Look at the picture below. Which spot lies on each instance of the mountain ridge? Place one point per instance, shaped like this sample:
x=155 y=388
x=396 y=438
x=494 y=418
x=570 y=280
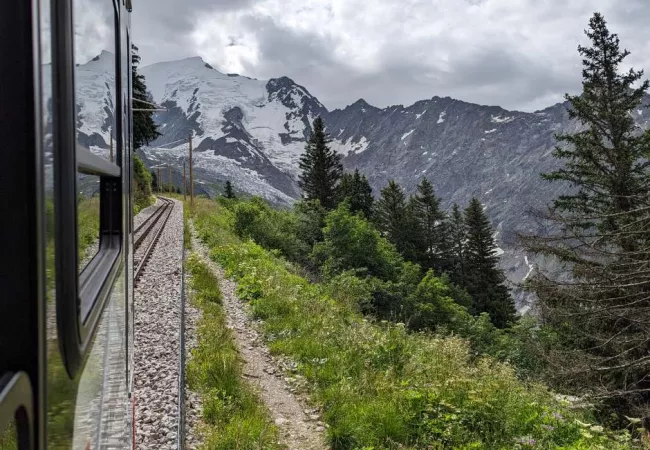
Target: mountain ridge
x=252 y=132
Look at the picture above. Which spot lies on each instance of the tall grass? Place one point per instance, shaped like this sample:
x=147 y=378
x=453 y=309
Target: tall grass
x=234 y=416
x=382 y=387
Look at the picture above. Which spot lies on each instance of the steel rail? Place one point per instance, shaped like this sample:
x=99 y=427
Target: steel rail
x=154 y=241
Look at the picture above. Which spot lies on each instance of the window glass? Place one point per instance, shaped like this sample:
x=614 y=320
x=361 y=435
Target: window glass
x=95 y=100
x=87 y=217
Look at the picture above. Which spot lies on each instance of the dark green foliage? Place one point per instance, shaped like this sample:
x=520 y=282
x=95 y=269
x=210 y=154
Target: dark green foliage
x=229 y=193
x=321 y=168
x=141 y=183
x=484 y=279
x=154 y=180
x=356 y=189
x=311 y=220
x=394 y=218
x=433 y=306
x=268 y=227
x=351 y=243
x=145 y=129
x=456 y=265
x=432 y=237
x=602 y=307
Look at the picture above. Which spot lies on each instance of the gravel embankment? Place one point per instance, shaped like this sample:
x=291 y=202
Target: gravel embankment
x=157 y=325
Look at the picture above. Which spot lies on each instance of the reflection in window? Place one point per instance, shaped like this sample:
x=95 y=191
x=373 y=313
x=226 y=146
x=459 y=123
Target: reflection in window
x=95 y=71
x=95 y=99
x=9 y=437
x=87 y=218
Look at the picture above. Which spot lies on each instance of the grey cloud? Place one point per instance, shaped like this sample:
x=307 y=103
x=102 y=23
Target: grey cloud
x=525 y=61
x=161 y=28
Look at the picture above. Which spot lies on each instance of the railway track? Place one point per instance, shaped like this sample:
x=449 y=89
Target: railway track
x=110 y=433
x=146 y=235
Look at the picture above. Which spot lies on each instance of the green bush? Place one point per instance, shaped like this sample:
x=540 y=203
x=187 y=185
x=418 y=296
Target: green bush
x=383 y=387
x=141 y=185
x=270 y=228
x=352 y=243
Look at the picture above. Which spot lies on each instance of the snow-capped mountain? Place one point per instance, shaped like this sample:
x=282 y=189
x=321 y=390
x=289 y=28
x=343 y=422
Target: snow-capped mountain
x=253 y=132
x=246 y=130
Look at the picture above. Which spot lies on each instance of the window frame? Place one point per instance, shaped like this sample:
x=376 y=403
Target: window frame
x=81 y=297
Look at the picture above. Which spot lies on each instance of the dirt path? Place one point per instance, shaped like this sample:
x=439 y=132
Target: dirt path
x=300 y=428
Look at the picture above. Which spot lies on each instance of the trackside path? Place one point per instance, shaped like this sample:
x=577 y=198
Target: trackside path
x=300 y=428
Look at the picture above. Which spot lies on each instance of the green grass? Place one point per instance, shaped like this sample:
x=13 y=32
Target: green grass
x=234 y=416
x=381 y=387
x=87 y=223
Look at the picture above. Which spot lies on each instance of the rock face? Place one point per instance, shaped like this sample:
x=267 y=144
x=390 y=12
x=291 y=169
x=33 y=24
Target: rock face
x=253 y=132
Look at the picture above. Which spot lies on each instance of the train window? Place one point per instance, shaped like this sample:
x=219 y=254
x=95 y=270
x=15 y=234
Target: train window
x=88 y=133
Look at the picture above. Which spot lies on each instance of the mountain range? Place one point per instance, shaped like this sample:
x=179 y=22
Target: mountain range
x=252 y=132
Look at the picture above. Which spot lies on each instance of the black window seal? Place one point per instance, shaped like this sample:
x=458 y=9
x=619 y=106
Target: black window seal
x=81 y=297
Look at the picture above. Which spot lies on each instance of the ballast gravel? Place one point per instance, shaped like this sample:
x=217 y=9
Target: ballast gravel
x=157 y=310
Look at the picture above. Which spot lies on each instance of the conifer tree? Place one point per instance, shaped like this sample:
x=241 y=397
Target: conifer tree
x=484 y=279
x=145 y=129
x=321 y=168
x=603 y=306
x=229 y=193
x=429 y=219
x=455 y=261
x=394 y=219
x=356 y=188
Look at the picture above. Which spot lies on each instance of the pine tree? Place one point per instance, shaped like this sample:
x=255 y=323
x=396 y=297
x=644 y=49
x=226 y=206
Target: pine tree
x=603 y=305
x=429 y=219
x=145 y=129
x=321 y=168
x=394 y=219
x=484 y=279
x=356 y=188
x=229 y=193
x=455 y=261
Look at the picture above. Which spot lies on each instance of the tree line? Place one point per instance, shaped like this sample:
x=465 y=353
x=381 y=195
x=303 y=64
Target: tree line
x=457 y=244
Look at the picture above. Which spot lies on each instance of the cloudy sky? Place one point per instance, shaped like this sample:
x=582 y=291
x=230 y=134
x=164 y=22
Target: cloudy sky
x=519 y=54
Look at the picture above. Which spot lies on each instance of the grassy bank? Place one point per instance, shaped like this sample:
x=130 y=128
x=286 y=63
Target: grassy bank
x=381 y=386
x=233 y=414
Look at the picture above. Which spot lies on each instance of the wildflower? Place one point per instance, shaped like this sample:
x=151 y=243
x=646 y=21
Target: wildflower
x=558 y=416
x=527 y=441
x=548 y=427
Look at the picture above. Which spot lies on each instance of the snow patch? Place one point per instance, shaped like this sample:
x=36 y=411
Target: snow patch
x=345 y=148
x=441 y=117
x=425 y=153
x=531 y=267
x=490 y=131
x=499 y=119
x=405 y=135
x=417 y=116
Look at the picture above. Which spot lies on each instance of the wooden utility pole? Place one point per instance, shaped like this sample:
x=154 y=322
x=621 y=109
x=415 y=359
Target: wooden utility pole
x=184 y=184
x=171 y=183
x=191 y=176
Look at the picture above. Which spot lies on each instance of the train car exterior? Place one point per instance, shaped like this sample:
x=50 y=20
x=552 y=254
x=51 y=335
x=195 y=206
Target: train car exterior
x=66 y=271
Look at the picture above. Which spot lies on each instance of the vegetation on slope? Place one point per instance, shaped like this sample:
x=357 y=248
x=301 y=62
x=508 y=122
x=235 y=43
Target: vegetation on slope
x=381 y=386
